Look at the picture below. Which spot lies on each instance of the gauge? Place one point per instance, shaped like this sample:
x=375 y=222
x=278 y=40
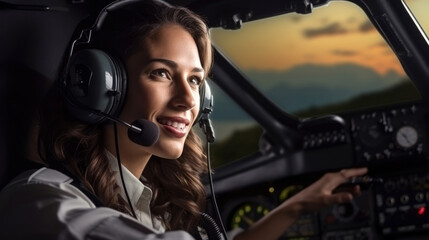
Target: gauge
x=406 y=136
x=372 y=135
x=248 y=213
x=288 y=192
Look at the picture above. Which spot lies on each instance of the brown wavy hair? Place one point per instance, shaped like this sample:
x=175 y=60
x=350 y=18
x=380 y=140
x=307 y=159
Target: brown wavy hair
x=177 y=188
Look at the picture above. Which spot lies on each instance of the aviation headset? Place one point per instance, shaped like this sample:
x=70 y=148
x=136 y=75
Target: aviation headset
x=94 y=82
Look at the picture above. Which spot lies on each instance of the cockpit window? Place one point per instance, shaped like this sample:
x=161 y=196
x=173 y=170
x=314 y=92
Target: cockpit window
x=332 y=60
x=419 y=9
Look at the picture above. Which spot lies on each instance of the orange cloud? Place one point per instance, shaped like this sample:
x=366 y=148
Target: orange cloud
x=331 y=29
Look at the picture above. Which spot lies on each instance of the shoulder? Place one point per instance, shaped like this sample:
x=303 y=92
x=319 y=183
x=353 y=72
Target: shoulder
x=42 y=184
x=42 y=175
x=47 y=175
x=43 y=202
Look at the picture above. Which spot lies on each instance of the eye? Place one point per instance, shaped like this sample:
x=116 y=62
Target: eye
x=162 y=72
x=195 y=80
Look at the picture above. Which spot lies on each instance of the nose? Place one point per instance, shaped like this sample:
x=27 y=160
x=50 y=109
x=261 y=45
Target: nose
x=184 y=95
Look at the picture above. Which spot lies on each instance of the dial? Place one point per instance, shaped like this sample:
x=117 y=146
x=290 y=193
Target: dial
x=372 y=135
x=288 y=192
x=407 y=136
x=248 y=213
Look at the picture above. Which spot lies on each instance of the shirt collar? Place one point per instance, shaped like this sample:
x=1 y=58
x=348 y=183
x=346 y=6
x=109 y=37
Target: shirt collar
x=140 y=195
x=135 y=188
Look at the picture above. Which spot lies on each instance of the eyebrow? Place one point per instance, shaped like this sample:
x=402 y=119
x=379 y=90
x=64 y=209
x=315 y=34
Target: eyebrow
x=173 y=64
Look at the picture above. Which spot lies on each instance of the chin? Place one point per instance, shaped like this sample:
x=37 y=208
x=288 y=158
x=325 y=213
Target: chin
x=168 y=149
x=170 y=154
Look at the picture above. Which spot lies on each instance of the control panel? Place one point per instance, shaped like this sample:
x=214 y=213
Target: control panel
x=383 y=135
x=391 y=141
x=402 y=203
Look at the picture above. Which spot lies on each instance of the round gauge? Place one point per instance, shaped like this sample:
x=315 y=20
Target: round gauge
x=247 y=213
x=407 y=136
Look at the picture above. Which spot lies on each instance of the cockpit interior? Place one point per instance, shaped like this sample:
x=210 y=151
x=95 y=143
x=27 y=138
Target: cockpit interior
x=301 y=88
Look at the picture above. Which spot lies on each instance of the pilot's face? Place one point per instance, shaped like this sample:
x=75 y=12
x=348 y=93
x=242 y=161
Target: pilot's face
x=163 y=87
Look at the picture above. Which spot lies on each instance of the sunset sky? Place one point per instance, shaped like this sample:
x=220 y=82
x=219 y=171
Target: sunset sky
x=333 y=34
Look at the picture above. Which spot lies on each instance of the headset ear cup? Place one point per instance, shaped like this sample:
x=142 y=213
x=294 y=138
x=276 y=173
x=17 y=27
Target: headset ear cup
x=94 y=82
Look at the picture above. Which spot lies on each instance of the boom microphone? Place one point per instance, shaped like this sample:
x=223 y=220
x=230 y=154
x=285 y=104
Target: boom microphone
x=141 y=131
x=147 y=136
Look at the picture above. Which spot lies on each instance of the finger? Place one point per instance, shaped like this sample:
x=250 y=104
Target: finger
x=353 y=172
x=343 y=176
x=333 y=180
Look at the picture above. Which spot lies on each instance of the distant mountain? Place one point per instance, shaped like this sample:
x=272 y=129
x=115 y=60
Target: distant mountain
x=308 y=86
x=403 y=91
x=344 y=76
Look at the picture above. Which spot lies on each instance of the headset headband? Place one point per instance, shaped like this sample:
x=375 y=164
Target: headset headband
x=86 y=34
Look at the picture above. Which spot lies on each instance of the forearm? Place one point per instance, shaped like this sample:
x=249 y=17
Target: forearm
x=274 y=224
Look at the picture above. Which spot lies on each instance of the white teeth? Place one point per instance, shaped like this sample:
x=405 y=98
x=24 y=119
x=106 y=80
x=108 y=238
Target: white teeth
x=177 y=125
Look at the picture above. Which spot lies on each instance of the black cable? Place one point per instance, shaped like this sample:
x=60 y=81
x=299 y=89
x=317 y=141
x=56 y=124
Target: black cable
x=213 y=197
x=212 y=229
x=118 y=157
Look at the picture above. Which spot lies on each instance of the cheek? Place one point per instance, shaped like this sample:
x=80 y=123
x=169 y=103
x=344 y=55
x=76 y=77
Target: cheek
x=142 y=100
x=150 y=99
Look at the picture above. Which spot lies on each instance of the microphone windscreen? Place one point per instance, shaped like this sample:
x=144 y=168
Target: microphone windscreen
x=149 y=134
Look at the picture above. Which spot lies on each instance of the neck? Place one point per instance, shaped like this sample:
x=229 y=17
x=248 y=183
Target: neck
x=132 y=155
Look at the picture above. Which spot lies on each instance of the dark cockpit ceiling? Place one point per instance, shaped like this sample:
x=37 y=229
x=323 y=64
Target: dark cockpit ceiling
x=231 y=13
x=218 y=13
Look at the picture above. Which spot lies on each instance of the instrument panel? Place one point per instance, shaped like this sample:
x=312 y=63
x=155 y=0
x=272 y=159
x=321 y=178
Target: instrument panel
x=392 y=142
x=390 y=134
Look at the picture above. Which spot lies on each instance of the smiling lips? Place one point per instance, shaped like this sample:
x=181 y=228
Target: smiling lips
x=175 y=126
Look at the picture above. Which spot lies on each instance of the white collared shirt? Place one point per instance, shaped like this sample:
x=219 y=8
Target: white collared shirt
x=140 y=195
